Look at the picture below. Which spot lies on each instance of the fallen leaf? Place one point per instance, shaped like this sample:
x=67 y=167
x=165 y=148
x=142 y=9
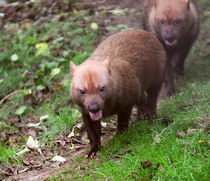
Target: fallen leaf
x=86 y=140
x=157 y=139
x=25 y=25
x=27 y=92
x=14 y=57
x=11 y=28
x=76 y=130
x=75 y=12
x=2 y=15
x=59 y=159
x=40 y=87
x=45 y=117
x=22 y=152
x=65 y=82
x=103 y=124
x=33 y=125
x=42 y=48
x=72 y=146
x=55 y=71
x=94 y=26
x=181 y=133
x=20 y=110
x=32 y=144
x=118 y=12
x=189 y=131
x=203 y=141
x=146 y=164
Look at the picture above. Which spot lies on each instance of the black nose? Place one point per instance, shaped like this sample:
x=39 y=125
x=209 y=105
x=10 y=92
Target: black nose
x=169 y=37
x=94 y=108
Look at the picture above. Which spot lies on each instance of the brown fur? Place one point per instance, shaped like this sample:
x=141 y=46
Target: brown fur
x=176 y=24
x=116 y=77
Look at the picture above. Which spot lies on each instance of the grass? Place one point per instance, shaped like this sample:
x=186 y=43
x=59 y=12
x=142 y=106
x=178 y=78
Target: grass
x=173 y=147
x=181 y=154
x=10 y=153
x=39 y=75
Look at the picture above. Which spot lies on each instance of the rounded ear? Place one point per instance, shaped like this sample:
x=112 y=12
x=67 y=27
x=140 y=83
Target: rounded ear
x=188 y=4
x=107 y=63
x=72 y=68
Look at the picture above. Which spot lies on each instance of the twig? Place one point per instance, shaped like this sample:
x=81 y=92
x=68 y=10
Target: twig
x=8 y=96
x=79 y=141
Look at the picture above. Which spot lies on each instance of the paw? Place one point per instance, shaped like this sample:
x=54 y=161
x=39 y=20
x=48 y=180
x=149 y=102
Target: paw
x=170 y=92
x=91 y=155
x=179 y=73
x=147 y=116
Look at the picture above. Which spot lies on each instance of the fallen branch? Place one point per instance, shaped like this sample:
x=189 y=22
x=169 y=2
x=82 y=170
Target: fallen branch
x=8 y=96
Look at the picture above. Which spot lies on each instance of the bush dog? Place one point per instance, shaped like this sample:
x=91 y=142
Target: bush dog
x=126 y=69
x=176 y=24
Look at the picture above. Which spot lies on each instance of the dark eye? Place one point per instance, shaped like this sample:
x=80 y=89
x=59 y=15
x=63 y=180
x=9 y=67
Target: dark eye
x=102 y=89
x=82 y=92
x=178 y=21
x=161 y=22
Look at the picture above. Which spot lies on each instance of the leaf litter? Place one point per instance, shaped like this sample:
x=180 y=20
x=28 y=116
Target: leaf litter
x=71 y=143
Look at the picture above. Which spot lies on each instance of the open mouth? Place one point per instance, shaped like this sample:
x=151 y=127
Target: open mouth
x=170 y=43
x=96 y=116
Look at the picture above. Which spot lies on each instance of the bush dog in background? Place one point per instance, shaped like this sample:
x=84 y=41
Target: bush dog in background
x=176 y=24
x=126 y=69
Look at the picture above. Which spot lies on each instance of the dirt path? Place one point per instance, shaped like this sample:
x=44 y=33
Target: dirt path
x=131 y=18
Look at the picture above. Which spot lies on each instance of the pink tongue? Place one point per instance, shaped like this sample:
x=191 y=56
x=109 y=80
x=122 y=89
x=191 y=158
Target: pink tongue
x=96 y=116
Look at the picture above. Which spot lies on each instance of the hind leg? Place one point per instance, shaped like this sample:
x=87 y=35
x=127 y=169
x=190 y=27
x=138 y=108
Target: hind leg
x=142 y=107
x=123 y=119
x=152 y=98
x=150 y=102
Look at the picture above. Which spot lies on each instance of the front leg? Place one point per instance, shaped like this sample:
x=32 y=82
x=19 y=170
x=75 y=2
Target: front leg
x=94 y=134
x=123 y=119
x=169 y=78
x=179 y=67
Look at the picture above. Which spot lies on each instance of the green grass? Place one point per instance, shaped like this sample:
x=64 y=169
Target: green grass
x=30 y=76
x=176 y=157
x=6 y=152
x=181 y=154
x=182 y=127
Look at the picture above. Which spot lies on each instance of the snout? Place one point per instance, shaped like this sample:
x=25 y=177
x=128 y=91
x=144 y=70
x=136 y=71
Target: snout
x=171 y=41
x=93 y=108
x=170 y=38
x=95 y=111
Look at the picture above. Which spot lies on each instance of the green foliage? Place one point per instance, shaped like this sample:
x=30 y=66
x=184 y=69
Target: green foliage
x=175 y=157
x=39 y=50
x=8 y=155
x=34 y=65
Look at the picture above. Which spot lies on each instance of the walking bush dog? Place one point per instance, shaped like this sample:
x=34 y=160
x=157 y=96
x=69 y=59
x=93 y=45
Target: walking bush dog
x=126 y=69
x=176 y=24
